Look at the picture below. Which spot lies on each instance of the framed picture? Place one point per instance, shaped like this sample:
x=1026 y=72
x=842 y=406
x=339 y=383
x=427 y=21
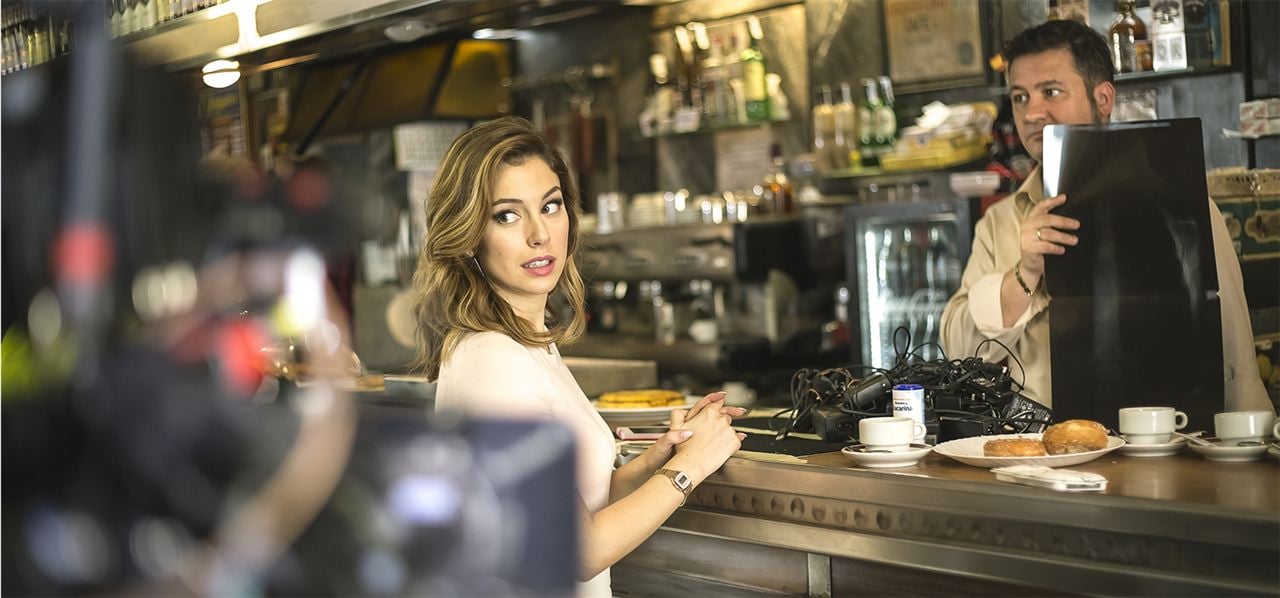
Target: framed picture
x=933 y=42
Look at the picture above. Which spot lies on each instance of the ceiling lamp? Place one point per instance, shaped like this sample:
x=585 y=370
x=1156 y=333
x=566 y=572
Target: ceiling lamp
x=490 y=33
x=221 y=73
x=407 y=30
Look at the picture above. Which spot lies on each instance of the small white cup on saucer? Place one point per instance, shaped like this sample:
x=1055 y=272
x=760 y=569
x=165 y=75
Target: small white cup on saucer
x=889 y=433
x=1234 y=427
x=1150 y=425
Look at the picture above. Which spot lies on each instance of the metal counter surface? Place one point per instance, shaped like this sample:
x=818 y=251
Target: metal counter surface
x=1172 y=525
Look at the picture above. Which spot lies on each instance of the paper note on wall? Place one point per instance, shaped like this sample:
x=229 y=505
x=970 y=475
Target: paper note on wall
x=421 y=146
x=742 y=157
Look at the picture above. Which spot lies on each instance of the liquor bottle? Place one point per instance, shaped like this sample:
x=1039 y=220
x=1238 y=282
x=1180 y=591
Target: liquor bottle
x=684 y=74
x=846 y=134
x=824 y=129
x=732 y=65
x=128 y=20
x=755 y=89
x=777 y=187
x=712 y=98
x=664 y=94
x=887 y=264
x=870 y=142
x=8 y=55
x=1125 y=34
x=886 y=120
x=941 y=267
x=910 y=263
x=150 y=18
x=698 y=76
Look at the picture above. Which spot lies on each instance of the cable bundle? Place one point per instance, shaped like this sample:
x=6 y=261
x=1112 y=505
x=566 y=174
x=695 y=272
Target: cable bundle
x=832 y=400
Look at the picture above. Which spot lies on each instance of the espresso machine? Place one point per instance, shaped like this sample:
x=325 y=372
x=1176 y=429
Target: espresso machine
x=711 y=302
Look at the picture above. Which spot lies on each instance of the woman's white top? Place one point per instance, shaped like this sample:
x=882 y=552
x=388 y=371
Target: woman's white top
x=491 y=375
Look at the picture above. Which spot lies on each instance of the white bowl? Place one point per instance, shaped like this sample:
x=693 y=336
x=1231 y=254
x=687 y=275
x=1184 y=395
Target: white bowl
x=974 y=184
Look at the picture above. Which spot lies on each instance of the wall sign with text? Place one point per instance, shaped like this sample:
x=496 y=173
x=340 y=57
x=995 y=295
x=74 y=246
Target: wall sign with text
x=933 y=40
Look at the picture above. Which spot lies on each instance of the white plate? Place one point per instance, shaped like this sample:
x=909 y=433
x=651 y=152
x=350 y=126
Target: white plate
x=969 y=452
x=1274 y=451
x=640 y=416
x=907 y=458
x=1163 y=449
x=1230 y=454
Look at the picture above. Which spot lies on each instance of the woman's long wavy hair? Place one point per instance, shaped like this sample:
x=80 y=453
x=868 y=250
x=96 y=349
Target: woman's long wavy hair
x=452 y=297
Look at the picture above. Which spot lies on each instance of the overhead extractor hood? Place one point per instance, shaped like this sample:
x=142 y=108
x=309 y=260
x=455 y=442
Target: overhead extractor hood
x=459 y=79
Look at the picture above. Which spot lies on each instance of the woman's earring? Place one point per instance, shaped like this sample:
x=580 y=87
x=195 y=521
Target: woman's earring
x=477 y=263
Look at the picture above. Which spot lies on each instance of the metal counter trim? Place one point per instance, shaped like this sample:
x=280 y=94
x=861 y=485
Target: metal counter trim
x=993 y=531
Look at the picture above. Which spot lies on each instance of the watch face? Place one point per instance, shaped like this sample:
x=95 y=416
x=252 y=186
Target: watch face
x=682 y=480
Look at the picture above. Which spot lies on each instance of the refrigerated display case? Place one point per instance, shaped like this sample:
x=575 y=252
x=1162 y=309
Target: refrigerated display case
x=904 y=261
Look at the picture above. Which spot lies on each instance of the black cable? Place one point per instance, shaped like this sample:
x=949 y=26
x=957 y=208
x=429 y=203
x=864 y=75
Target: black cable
x=982 y=390
x=1009 y=352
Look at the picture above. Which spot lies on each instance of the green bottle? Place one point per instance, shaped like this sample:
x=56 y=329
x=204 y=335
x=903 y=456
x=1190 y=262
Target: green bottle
x=871 y=143
x=755 y=91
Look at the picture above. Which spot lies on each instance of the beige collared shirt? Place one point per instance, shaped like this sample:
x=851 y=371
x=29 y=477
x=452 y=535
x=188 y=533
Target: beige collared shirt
x=974 y=315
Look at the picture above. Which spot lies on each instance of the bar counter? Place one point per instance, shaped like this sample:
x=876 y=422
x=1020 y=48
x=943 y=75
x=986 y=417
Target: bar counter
x=823 y=526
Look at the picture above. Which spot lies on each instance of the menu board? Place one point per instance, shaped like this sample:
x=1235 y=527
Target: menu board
x=221 y=129
x=1135 y=317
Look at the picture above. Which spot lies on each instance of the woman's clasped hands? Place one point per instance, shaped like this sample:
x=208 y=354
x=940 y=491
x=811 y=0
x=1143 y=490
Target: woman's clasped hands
x=702 y=437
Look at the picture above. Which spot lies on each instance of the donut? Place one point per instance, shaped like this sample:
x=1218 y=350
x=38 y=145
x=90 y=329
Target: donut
x=1013 y=447
x=1075 y=436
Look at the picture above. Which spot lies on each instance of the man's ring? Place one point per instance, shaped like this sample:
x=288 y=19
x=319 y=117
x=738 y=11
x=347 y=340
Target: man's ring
x=1038 y=237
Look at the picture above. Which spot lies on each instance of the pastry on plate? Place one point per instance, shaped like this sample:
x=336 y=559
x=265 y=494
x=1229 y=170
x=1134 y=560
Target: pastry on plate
x=640 y=399
x=1013 y=447
x=1075 y=436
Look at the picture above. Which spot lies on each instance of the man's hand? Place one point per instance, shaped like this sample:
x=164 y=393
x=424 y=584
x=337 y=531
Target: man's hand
x=1042 y=234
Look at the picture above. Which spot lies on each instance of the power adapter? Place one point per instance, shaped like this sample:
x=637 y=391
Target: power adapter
x=833 y=425
x=954 y=428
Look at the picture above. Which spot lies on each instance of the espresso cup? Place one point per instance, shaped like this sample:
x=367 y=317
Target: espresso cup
x=1150 y=425
x=1234 y=427
x=889 y=433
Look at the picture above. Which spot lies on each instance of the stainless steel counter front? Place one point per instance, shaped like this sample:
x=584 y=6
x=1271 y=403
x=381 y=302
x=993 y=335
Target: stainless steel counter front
x=1165 y=526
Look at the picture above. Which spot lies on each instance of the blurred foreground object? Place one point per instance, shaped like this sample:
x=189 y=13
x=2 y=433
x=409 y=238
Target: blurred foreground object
x=146 y=448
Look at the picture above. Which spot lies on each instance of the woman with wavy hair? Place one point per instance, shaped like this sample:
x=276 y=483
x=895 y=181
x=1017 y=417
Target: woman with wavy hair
x=502 y=238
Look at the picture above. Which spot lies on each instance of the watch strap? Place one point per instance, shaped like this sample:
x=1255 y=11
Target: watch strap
x=680 y=480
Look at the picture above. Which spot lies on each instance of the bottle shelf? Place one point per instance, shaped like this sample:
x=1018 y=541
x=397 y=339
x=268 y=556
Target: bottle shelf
x=718 y=129
x=1159 y=75
x=874 y=171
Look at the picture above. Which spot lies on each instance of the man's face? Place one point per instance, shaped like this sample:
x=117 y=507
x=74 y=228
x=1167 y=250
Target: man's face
x=1046 y=89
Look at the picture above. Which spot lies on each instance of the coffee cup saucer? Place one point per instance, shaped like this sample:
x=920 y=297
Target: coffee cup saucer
x=860 y=454
x=1229 y=453
x=1160 y=449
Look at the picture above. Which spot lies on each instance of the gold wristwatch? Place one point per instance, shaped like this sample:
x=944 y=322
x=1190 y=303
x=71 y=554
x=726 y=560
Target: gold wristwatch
x=680 y=480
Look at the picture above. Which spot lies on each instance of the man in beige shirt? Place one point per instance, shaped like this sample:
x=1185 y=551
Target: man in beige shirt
x=1060 y=73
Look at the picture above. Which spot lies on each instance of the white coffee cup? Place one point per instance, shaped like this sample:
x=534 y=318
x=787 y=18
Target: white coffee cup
x=1150 y=425
x=889 y=433
x=1275 y=429
x=1234 y=427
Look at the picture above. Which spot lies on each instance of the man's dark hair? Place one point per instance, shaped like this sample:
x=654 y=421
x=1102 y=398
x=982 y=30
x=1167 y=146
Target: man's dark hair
x=1087 y=47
